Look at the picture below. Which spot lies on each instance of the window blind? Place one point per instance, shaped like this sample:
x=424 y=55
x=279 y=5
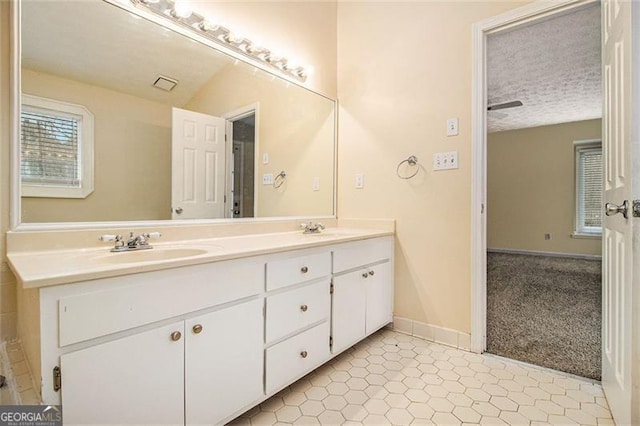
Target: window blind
x=590 y=180
x=49 y=148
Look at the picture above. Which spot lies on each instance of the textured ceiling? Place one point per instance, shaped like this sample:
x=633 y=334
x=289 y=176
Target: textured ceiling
x=100 y=44
x=553 y=67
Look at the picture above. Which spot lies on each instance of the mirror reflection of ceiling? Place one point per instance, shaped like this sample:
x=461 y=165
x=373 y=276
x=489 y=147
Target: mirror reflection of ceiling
x=80 y=32
x=552 y=67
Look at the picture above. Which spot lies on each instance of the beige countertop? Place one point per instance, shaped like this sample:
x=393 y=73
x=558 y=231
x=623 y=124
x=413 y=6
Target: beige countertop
x=61 y=266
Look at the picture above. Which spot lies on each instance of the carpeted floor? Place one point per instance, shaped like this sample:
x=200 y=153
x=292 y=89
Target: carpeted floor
x=545 y=311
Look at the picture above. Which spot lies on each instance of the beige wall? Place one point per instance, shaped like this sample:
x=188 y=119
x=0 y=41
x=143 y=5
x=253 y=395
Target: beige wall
x=132 y=143
x=403 y=69
x=531 y=188
x=295 y=127
x=8 y=315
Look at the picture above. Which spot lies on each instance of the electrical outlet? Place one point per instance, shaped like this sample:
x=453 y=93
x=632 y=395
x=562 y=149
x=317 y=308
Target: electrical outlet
x=267 y=179
x=316 y=184
x=452 y=126
x=359 y=180
x=445 y=160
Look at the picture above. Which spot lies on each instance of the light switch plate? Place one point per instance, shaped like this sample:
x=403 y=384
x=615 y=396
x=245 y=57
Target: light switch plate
x=265 y=158
x=445 y=160
x=359 y=180
x=267 y=179
x=316 y=184
x=452 y=126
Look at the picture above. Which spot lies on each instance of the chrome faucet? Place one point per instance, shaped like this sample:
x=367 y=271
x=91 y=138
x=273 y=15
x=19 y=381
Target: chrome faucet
x=312 y=228
x=135 y=242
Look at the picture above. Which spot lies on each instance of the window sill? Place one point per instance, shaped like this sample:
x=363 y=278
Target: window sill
x=587 y=236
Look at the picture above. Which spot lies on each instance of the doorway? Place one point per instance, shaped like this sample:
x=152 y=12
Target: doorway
x=620 y=60
x=243 y=161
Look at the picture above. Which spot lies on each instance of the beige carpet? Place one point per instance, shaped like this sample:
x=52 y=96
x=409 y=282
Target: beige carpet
x=545 y=311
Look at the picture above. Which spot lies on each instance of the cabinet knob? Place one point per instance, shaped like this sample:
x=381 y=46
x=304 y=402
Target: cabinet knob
x=304 y=308
x=175 y=336
x=371 y=273
x=303 y=354
x=365 y=275
x=304 y=269
x=197 y=328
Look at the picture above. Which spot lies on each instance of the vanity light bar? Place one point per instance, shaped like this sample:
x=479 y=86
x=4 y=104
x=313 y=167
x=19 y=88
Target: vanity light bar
x=181 y=14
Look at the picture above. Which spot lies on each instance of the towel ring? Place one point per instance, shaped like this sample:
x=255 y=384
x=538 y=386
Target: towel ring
x=279 y=179
x=411 y=161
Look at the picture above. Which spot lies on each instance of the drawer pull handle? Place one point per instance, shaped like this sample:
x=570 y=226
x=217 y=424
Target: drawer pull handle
x=304 y=308
x=365 y=275
x=371 y=273
x=175 y=336
x=304 y=269
x=303 y=354
x=197 y=328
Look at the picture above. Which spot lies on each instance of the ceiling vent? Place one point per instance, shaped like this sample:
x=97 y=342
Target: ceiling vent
x=165 y=83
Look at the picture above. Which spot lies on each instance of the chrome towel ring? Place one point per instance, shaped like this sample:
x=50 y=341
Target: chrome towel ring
x=279 y=179
x=412 y=161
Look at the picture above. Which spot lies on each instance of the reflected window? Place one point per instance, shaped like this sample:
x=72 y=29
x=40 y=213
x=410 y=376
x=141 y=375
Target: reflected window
x=56 y=149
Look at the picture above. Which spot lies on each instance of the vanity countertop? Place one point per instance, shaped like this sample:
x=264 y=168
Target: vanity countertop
x=53 y=267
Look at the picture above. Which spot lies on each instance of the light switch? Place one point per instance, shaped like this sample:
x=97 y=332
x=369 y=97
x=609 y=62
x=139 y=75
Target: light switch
x=316 y=184
x=265 y=158
x=452 y=126
x=359 y=180
x=267 y=179
x=445 y=160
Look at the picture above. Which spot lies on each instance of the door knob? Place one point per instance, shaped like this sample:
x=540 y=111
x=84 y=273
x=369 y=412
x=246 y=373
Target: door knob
x=612 y=209
x=179 y=210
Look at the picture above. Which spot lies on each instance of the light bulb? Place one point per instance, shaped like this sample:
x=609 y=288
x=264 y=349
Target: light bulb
x=181 y=9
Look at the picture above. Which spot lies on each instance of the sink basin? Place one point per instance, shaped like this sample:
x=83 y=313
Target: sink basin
x=151 y=255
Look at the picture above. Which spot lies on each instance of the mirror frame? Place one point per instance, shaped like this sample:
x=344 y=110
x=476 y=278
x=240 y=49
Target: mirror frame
x=15 y=93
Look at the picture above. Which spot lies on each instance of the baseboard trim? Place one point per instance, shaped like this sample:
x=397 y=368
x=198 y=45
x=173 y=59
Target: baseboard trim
x=433 y=333
x=545 y=253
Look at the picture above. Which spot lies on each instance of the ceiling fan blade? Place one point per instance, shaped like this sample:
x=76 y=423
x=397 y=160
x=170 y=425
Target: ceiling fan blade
x=511 y=104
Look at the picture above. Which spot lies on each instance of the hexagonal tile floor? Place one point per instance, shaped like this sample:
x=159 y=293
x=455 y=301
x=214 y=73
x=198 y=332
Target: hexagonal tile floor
x=395 y=379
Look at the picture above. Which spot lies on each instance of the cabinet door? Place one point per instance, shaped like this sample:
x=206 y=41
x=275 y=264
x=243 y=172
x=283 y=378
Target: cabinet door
x=348 y=316
x=379 y=290
x=224 y=362
x=136 y=380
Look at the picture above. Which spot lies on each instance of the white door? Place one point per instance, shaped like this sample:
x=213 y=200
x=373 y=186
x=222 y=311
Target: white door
x=197 y=165
x=617 y=230
x=134 y=380
x=223 y=362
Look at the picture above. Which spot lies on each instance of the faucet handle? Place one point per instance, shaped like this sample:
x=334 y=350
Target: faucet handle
x=152 y=235
x=320 y=225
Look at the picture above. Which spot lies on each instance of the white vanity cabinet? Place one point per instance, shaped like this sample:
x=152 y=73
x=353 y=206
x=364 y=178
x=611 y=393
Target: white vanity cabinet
x=200 y=344
x=362 y=290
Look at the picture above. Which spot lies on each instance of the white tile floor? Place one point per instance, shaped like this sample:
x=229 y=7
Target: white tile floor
x=392 y=378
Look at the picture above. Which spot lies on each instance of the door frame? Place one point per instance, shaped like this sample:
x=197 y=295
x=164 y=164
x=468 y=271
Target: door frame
x=523 y=15
x=235 y=115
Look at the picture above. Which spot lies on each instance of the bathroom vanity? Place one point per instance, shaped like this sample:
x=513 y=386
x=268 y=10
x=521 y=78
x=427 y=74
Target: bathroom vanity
x=205 y=329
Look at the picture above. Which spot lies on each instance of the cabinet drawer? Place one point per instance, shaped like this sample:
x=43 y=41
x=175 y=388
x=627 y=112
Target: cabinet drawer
x=359 y=253
x=295 y=309
x=294 y=357
x=293 y=270
x=141 y=299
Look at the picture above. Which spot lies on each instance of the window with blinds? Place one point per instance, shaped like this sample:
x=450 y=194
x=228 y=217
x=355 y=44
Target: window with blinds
x=589 y=181
x=56 y=149
x=50 y=148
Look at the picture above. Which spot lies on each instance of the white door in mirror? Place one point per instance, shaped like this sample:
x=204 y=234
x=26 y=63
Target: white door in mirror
x=198 y=165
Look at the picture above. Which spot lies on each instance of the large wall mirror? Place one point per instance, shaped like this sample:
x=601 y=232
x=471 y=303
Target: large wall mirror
x=124 y=119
